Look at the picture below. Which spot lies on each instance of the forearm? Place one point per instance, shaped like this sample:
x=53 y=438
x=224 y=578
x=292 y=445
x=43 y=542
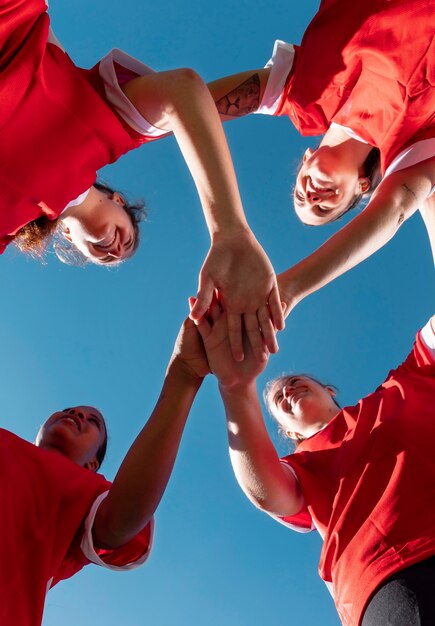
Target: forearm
x=142 y=478
x=363 y=236
x=240 y=94
x=256 y=464
x=179 y=101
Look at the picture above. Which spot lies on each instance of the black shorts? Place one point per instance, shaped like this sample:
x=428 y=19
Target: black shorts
x=405 y=599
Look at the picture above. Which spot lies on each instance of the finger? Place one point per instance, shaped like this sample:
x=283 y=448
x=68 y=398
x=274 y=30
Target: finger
x=203 y=298
x=275 y=308
x=215 y=311
x=267 y=329
x=204 y=328
x=255 y=337
x=235 y=335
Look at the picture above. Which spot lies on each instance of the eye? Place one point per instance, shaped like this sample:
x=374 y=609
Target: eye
x=95 y=421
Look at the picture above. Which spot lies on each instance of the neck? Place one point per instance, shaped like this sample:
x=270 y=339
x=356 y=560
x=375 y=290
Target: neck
x=76 y=211
x=354 y=151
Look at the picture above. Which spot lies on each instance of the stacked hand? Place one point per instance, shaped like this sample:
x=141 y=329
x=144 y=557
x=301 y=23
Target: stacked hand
x=238 y=268
x=215 y=336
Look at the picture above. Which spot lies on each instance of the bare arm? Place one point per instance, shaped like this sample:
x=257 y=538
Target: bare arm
x=428 y=214
x=256 y=464
x=236 y=265
x=395 y=200
x=145 y=471
x=240 y=94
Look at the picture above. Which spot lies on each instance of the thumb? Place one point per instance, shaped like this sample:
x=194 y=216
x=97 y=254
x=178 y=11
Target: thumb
x=203 y=298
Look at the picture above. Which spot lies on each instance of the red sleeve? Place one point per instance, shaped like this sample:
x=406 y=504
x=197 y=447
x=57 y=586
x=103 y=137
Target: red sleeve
x=134 y=552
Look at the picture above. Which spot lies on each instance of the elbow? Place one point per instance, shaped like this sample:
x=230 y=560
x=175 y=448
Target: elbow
x=284 y=506
x=185 y=81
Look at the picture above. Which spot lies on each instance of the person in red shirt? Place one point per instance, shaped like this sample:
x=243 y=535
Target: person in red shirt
x=59 y=514
x=60 y=124
x=363 y=476
x=364 y=76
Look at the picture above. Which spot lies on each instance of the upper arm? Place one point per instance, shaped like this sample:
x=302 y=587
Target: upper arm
x=296 y=502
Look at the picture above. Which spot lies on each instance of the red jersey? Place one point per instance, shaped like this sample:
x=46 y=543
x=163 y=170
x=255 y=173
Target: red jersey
x=45 y=501
x=368 y=480
x=368 y=66
x=57 y=127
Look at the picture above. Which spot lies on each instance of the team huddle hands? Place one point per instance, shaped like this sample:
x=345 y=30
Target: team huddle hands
x=213 y=329
x=238 y=268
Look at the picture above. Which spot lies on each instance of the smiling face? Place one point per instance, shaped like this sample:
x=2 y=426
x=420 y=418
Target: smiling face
x=101 y=229
x=301 y=405
x=78 y=433
x=326 y=186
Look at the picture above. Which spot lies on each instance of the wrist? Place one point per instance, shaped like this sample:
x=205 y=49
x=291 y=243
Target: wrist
x=181 y=372
x=229 y=230
x=292 y=288
x=239 y=388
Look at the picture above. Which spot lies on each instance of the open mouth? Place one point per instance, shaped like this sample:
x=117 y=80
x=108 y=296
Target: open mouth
x=321 y=187
x=73 y=420
x=107 y=243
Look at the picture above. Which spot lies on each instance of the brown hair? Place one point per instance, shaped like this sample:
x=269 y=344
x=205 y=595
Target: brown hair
x=35 y=237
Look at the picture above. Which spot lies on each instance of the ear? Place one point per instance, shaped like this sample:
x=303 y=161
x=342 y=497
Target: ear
x=364 y=184
x=308 y=152
x=67 y=233
x=92 y=465
x=116 y=197
x=331 y=391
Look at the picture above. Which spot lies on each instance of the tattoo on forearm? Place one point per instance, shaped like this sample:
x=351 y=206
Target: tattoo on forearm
x=242 y=100
x=405 y=186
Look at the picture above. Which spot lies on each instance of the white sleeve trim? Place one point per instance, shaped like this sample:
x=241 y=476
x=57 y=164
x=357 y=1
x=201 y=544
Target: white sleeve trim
x=122 y=105
x=418 y=152
x=87 y=544
x=281 y=64
x=81 y=198
x=427 y=336
x=349 y=132
x=298 y=529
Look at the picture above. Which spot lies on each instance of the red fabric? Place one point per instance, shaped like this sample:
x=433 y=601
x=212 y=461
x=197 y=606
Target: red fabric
x=368 y=480
x=369 y=66
x=45 y=500
x=56 y=128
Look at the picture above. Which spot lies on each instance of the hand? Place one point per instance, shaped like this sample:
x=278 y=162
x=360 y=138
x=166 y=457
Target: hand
x=239 y=269
x=189 y=350
x=230 y=373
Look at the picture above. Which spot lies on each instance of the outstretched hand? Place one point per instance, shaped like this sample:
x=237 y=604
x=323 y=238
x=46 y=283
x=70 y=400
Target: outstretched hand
x=230 y=373
x=240 y=270
x=189 y=350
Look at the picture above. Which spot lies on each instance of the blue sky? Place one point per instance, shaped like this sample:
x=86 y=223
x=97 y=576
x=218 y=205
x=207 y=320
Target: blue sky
x=103 y=337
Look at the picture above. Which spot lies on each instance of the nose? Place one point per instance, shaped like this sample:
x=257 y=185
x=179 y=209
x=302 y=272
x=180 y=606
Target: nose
x=117 y=251
x=288 y=390
x=313 y=197
x=78 y=413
